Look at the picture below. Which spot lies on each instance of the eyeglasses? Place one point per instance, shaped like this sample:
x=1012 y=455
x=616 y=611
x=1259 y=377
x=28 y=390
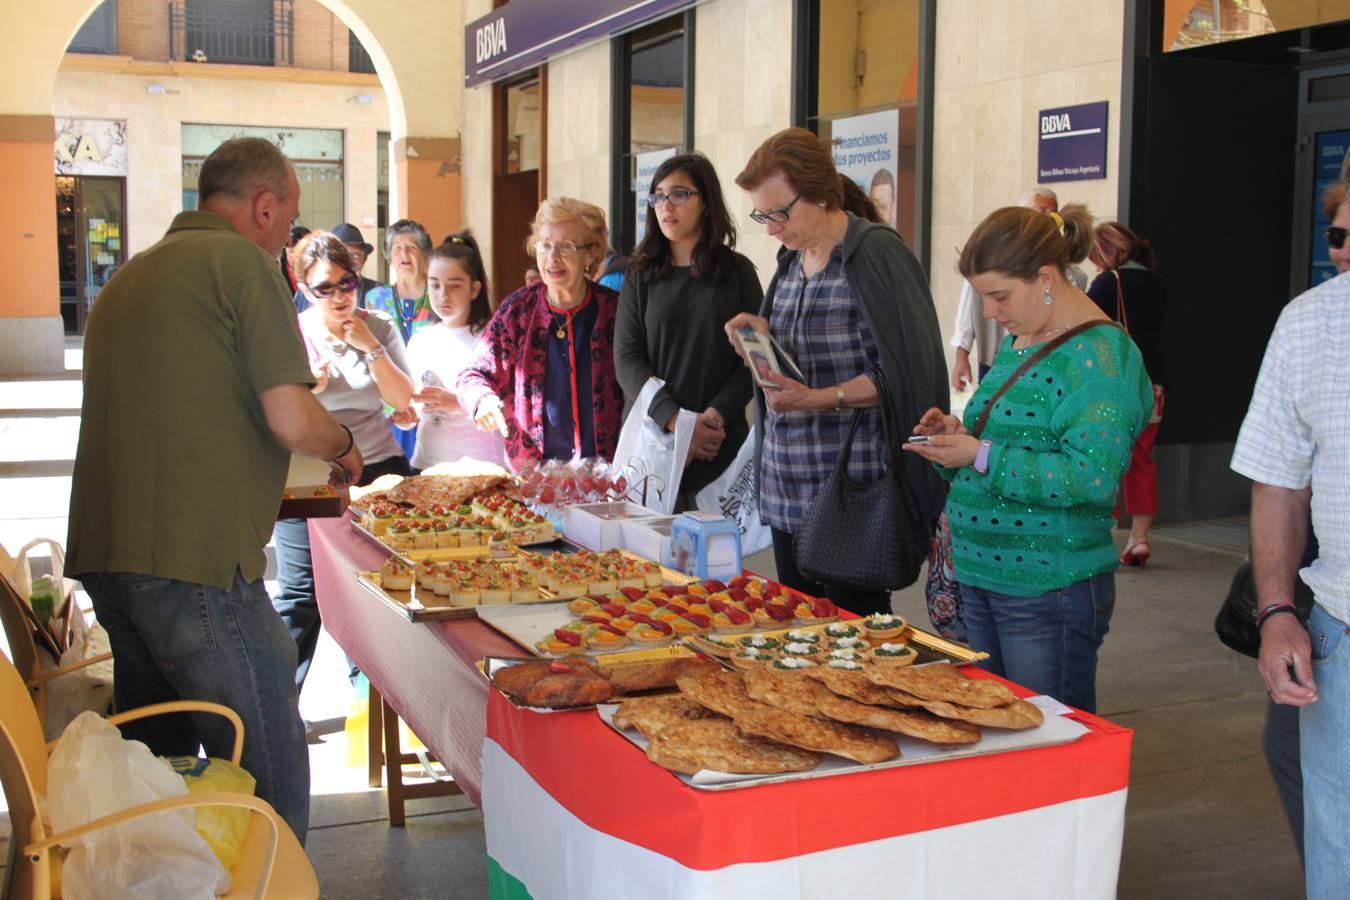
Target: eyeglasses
x=777 y=216
x=1336 y=237
x=566 y=249
x=676 y=197
x=324 y=291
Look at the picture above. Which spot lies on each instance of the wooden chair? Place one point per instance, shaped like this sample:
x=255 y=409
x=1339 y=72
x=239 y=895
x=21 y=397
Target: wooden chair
x=271 y=862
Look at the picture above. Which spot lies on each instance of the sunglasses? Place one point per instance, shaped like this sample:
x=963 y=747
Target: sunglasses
x=1335 y=237
x=325 y=290
x=777 y=216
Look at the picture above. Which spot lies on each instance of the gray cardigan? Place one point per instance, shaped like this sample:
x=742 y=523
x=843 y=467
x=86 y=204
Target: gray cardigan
x=892 y=292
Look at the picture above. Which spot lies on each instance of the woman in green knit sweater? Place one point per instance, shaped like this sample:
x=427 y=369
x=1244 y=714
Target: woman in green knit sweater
x=1032 y=494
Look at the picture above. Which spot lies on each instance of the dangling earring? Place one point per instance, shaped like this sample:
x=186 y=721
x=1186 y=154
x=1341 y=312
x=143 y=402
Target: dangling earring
x=1047 y=299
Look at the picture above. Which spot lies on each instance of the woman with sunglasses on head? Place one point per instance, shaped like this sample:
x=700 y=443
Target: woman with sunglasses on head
x=684 y=282
x=359 y=366
x=543 y=372
x=1131 y=293
x=850 y=304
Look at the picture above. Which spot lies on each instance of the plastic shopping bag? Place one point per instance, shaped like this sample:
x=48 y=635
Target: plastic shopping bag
x=95 y=772
x=735 y=494
x=222 y=827
x=651 y=459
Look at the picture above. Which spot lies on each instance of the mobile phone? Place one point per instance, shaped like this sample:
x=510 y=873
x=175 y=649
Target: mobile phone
x=917 y=439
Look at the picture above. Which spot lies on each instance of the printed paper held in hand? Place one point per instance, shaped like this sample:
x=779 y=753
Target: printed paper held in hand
x=764 y=355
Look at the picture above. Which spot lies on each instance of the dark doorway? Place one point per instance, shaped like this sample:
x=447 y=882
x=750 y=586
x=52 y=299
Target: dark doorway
x=91 y=240
x=520 y=114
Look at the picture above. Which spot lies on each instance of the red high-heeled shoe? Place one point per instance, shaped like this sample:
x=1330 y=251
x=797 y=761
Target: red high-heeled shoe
x=1135 y=555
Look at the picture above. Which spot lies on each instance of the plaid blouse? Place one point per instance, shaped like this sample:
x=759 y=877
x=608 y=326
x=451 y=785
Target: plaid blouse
x=818 y=323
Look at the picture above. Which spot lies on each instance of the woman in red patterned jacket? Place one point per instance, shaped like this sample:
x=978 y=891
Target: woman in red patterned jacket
x=543 y=374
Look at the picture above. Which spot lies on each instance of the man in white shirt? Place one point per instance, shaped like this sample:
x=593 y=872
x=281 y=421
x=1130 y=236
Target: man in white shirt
x=1295 y=446
x=971 y=328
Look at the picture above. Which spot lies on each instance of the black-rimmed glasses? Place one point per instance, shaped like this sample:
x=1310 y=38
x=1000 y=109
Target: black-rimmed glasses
x=326 y=290
x=777 y=216
x=1335 y=236
x=676 y=197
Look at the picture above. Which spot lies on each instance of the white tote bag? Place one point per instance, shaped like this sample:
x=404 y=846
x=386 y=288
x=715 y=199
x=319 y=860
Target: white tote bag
x=652 y=460
x=735 y=494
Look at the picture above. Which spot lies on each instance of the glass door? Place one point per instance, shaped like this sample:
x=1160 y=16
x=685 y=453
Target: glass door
x=91 y=235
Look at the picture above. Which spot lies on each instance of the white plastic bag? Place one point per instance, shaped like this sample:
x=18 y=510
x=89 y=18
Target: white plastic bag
x=652 y=460
x=94 y=772
x=735 y=494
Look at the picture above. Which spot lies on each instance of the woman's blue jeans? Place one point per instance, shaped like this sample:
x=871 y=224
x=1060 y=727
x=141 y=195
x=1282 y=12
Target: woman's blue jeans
x=1047 y=643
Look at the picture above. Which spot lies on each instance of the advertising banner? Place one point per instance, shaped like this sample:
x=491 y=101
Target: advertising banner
x=866 y=149
x=646 y=165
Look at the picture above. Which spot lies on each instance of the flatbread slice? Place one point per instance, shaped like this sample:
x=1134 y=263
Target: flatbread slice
x=652 y=715
x=720 y=691
x=848 y=741
x=1017 y=715
x=853 y=685
x=716 y=744
x=791 y=691
x=915 y=723
x=942 y=681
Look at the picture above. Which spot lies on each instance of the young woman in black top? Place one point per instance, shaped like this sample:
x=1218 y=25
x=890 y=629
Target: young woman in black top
x=684 y=282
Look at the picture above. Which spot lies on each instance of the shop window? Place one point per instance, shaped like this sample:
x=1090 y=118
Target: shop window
x=523 y=127
x=652 y=106
x=1199 y=23
x=862 y=93
x=315 y=153
x=98 y=34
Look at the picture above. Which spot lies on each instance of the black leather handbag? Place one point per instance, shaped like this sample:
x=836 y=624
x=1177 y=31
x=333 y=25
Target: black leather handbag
x=864 y=534
x=1236 y=622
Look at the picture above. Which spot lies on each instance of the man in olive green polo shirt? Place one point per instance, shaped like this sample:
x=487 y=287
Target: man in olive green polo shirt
x=196 y=389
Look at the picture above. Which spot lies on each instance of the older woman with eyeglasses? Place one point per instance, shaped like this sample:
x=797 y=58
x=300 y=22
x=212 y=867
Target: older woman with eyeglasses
x=850 y=304
x=359 y=365
x=543 y=375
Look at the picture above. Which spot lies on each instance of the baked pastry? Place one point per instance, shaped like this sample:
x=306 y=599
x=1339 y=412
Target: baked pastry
x=629 y=678
x=848 y=741
x=782 y=689
x=853 y=685
x=916 y=723
x=722 y=692
x=718 y=745
x=884 y=626
x=889 y=654
x=943 y=681
x=650 y=715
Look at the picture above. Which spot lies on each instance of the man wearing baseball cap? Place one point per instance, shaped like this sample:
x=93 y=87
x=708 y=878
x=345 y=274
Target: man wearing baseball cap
x=350 y=235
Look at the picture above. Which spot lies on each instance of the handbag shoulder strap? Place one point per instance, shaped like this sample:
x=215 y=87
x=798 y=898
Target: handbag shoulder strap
x=1046 y=349
x=1121 y=316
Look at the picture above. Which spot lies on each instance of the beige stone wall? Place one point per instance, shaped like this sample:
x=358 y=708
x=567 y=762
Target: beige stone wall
x=476 y=144
x=154 y=132
x=578 y=126
x=998 y=63
x=742 y=94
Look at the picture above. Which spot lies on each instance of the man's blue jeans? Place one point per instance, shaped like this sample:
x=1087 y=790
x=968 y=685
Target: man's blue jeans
x=1324 y=738
x=175 y=640
x=1047 y=643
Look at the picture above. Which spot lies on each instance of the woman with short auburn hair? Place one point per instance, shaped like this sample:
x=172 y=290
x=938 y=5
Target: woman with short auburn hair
x=850 y=304
x=543 y=372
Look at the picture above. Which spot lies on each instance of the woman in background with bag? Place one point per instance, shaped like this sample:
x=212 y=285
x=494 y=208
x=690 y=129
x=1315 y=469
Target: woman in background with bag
x=1031 y=496
x=684 y=281
x=1131 y=293
x=850 y=304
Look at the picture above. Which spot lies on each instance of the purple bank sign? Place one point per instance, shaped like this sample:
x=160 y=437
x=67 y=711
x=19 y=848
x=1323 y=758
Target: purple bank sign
x=525 y=33
x=1072 y=144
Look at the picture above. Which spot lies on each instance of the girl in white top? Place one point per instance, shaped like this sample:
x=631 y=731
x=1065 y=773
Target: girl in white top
x=458 y=289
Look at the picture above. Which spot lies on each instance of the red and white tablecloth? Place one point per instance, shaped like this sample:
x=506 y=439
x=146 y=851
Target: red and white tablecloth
x=572 y=810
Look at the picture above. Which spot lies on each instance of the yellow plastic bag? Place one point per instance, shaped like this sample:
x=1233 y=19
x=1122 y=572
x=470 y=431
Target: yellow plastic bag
x=222 y=827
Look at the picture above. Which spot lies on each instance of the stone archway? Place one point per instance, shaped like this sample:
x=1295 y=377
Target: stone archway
x=417 y=49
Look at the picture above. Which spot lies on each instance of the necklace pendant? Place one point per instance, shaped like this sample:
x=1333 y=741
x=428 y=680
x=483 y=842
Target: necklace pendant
x=561 y=335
